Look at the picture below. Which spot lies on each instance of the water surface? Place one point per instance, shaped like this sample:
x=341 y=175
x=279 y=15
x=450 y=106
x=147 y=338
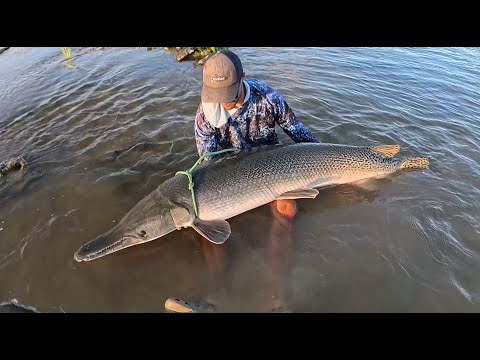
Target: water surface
x=100 y=135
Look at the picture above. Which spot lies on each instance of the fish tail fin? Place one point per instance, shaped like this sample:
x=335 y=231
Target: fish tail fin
x=414 y=163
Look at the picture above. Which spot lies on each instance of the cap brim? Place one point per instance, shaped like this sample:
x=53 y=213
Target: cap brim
x=219 y=95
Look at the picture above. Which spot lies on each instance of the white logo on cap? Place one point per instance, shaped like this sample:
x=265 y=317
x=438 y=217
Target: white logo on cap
x=219 y=78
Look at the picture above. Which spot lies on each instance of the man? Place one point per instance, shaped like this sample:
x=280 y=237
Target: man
x=236 y=112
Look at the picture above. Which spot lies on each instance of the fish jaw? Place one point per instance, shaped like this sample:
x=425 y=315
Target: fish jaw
x=148 y=220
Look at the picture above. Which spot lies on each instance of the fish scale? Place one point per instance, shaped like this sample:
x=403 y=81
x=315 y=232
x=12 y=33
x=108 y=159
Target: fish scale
x=258 y=176
x=229 y=185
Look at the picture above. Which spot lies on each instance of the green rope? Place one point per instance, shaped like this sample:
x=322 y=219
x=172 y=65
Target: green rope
x=190 y=171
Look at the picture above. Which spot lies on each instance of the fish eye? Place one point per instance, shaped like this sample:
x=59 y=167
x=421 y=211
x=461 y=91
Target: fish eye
x=143 y=233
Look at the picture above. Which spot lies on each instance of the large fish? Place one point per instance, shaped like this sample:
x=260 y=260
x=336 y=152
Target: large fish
x=230 y=185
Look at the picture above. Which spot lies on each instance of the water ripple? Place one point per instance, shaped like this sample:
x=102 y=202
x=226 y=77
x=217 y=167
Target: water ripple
x=105 y=132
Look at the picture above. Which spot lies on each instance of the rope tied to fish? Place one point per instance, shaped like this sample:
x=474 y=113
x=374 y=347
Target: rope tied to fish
x=189 y=173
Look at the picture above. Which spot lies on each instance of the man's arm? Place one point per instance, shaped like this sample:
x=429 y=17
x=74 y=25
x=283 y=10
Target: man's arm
x=288 y=121
x=204 y=134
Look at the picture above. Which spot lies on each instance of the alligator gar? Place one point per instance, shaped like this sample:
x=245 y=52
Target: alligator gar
x=227 y=186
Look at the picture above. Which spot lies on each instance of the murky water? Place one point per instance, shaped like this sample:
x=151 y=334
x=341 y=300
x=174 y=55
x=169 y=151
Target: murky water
x=102 y=134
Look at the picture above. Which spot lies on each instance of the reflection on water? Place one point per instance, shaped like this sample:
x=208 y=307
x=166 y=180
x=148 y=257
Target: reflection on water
x=100 y=135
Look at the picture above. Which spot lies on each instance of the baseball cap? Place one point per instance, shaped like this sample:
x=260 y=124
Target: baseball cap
x=222 y=74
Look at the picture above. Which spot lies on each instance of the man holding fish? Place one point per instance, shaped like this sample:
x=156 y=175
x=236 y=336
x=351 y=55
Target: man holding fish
x=236 y=112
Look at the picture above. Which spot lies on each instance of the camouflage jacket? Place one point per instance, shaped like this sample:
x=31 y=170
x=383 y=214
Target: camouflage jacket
x=253 y=124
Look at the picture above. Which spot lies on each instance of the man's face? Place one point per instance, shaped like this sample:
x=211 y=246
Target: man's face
x=230 y=105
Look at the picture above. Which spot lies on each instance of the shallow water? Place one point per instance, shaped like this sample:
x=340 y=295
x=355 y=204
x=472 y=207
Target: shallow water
x=100 y=135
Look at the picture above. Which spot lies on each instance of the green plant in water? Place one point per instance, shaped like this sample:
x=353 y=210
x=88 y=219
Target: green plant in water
x=66 y=52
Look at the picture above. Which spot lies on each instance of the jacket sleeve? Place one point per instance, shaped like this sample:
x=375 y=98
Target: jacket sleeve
x=288 y=121
x=204 y=134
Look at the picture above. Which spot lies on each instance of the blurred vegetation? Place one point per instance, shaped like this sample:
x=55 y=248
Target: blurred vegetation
x=67 y=52
x=195 y=54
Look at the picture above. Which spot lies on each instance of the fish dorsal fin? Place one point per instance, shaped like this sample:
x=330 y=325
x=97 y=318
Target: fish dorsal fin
x=216 y=231
x=387 y=150
x=303 y=193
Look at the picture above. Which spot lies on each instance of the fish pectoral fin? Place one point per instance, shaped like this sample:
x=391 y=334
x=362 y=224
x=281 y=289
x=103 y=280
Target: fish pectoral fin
x=216 y=231
x=325 y=182
x=303 y=193
x=386 y=150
